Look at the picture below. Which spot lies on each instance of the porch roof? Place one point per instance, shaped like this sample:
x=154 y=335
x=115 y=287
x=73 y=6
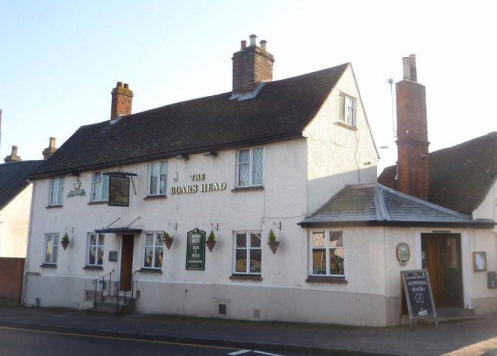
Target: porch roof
x=118 y=230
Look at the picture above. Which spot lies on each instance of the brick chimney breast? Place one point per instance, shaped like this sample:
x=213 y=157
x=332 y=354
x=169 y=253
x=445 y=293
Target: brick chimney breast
x=412 y=133
x=50 y=150
x=122 y=98
x=251 y=66
x=13 y=157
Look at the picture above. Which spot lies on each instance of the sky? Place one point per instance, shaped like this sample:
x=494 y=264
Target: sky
x=59 y=60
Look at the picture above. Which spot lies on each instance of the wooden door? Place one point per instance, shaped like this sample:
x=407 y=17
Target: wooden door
x=126 y=261
x=434 y=268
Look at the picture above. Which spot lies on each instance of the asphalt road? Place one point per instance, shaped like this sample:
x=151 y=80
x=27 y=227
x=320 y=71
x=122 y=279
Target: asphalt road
x=17 y=341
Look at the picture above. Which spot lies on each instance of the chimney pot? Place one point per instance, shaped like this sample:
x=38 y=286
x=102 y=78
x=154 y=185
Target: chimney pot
x=13 y=157
x=119 y=84
x=252 y=40
x=126 y=86
x=14 y=150
x=243 y=45
x=263 y=44
x=50 y=150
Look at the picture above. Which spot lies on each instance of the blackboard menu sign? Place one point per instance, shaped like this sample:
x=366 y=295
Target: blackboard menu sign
x=195 y=250
x=418 y=295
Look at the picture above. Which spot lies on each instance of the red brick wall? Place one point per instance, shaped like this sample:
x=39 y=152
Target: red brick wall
x=11 y=275
x=251 y=66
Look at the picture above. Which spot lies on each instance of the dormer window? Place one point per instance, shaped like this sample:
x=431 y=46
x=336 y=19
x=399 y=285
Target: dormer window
x=99 y=187
x=157 y=178
x=249 y=170
x=347 y=109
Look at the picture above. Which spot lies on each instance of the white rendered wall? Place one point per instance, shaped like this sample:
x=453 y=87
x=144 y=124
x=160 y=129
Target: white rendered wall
x=14 y=221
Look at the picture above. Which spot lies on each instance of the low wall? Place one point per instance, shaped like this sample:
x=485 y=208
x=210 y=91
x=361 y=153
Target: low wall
x=11 y=274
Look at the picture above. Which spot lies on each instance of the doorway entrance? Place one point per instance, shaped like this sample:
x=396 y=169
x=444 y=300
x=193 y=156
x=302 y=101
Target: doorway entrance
x=441 y=256
x=128 y=242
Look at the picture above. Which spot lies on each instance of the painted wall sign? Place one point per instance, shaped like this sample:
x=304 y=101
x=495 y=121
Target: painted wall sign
x=195 y=250
x=198 y=188
x=418 y=295
x=118 y=191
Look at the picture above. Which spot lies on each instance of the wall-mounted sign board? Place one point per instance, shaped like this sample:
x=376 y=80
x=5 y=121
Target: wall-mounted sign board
x=417 y=295
x=195 y=250
x=118 y=191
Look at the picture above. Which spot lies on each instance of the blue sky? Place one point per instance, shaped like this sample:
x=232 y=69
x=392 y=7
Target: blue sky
x=60 y=59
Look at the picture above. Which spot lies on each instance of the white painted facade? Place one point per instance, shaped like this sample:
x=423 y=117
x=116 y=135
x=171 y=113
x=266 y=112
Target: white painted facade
x=14 y=223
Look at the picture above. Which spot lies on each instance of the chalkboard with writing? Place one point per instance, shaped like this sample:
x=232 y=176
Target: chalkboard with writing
x=418 y=295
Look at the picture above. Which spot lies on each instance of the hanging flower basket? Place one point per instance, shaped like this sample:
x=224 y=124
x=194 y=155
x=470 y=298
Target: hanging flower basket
x=168 y=240
x=65 y=241
x=273 y=244
x=211 y=241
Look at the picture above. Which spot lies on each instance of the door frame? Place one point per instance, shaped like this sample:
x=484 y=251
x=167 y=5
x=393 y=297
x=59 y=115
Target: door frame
x=121 y=255
x=465 y=258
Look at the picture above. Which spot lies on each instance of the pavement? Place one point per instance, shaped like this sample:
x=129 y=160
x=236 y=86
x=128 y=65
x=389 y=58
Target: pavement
x=472 y=337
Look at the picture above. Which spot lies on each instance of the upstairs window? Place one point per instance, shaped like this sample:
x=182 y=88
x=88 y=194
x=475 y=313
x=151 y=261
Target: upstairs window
x=327 y=254
x=51 y=248
x=158 y=178
x=347 y=109
x=56 y=191
x=153 y=253
x=99 y=187
x=249 y=167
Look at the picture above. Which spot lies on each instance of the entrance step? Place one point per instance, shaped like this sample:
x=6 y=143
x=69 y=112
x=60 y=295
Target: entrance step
x=452 y=315
x=109 y=305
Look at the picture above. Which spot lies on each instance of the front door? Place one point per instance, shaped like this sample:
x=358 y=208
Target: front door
x=127 y=261
x=442 y=259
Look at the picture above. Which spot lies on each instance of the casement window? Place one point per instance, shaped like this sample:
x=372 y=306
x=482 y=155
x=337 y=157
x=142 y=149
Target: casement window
x=51 y=248
x=247 y=253
x=249 y=170
x=99 y=187
x=153 y=255
x=327 y=258
x=158 y=178
x=56 y=191
x=95 y=254
x=347 y=109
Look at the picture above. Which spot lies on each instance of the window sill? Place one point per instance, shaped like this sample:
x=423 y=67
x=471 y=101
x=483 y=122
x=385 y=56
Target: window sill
x=326 y=279
x=96 y=268
x=97 y=202
x=48 y=265
x=153 y=197
x=345 y=125
x=244 y=189
x=54 y=206
x=151 y=270
x=246 y=277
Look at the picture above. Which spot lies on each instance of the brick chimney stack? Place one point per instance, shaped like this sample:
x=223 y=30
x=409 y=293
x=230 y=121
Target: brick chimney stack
x=412 y=133
x=251 y=66
x=13 y=157
x=50 y=150
x=122 y=98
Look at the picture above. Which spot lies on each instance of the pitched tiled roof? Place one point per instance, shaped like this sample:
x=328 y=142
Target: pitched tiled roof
x=280 y=111
x=13 y=179
x=378 y=205
x=460 y=176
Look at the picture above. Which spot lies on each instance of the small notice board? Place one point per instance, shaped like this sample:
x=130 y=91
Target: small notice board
x=195 y=250
x=417 y=295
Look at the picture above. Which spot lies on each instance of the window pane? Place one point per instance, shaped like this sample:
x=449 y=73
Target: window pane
x=318 y=239
x=243 y=156
x=243 y=175
x=241 y=240
x=255 y=240
x=101 y=239
x=92 y=257
x=159 y=241
x=336 y=261
x=100 y=260
x=149 y=240
x=241 y=261
x=53 y=191
x=61 y=190
x=336 y=239
x=319 y=261
x=163 y=183
x=257 y=166
x=55 y=240
x=48 y=253
x=158 y=257
x=55 y=250
x=105 y=188
x=163 y=167
x=148 y=257
x=154 y=178
x=255 y=261
x=96 y=187
x=93 y=239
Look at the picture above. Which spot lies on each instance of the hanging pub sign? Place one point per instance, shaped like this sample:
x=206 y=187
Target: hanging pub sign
x=417 y=295
x=195 y=250
x=118 y=190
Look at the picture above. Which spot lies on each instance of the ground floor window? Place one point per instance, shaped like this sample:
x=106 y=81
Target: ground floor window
x=95 y=255
x=51 y=248
x=327 y=257
x=153 y=251
x=247 y=253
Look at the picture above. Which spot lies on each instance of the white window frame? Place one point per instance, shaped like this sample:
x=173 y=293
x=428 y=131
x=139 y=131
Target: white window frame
x=104 y=181
x=59 y=183
x=165 y=174
x=251 y=168
x=344 y=112
x=327 y=248
x=53 y=261
x=97 y=245
x=155 y=236
x=247 y=248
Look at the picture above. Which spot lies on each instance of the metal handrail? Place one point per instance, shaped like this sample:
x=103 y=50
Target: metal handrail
x=97 y=280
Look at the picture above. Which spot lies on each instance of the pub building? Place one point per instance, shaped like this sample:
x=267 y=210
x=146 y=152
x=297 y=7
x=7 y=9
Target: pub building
x=261 y=203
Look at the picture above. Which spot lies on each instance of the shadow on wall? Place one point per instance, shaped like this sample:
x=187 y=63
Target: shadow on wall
x=320 y=190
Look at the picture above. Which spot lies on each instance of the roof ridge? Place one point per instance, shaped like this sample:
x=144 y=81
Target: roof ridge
x=384 y=214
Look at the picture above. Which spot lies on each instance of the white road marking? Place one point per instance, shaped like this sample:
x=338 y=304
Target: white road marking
x=265 y=353
x=239 y=352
